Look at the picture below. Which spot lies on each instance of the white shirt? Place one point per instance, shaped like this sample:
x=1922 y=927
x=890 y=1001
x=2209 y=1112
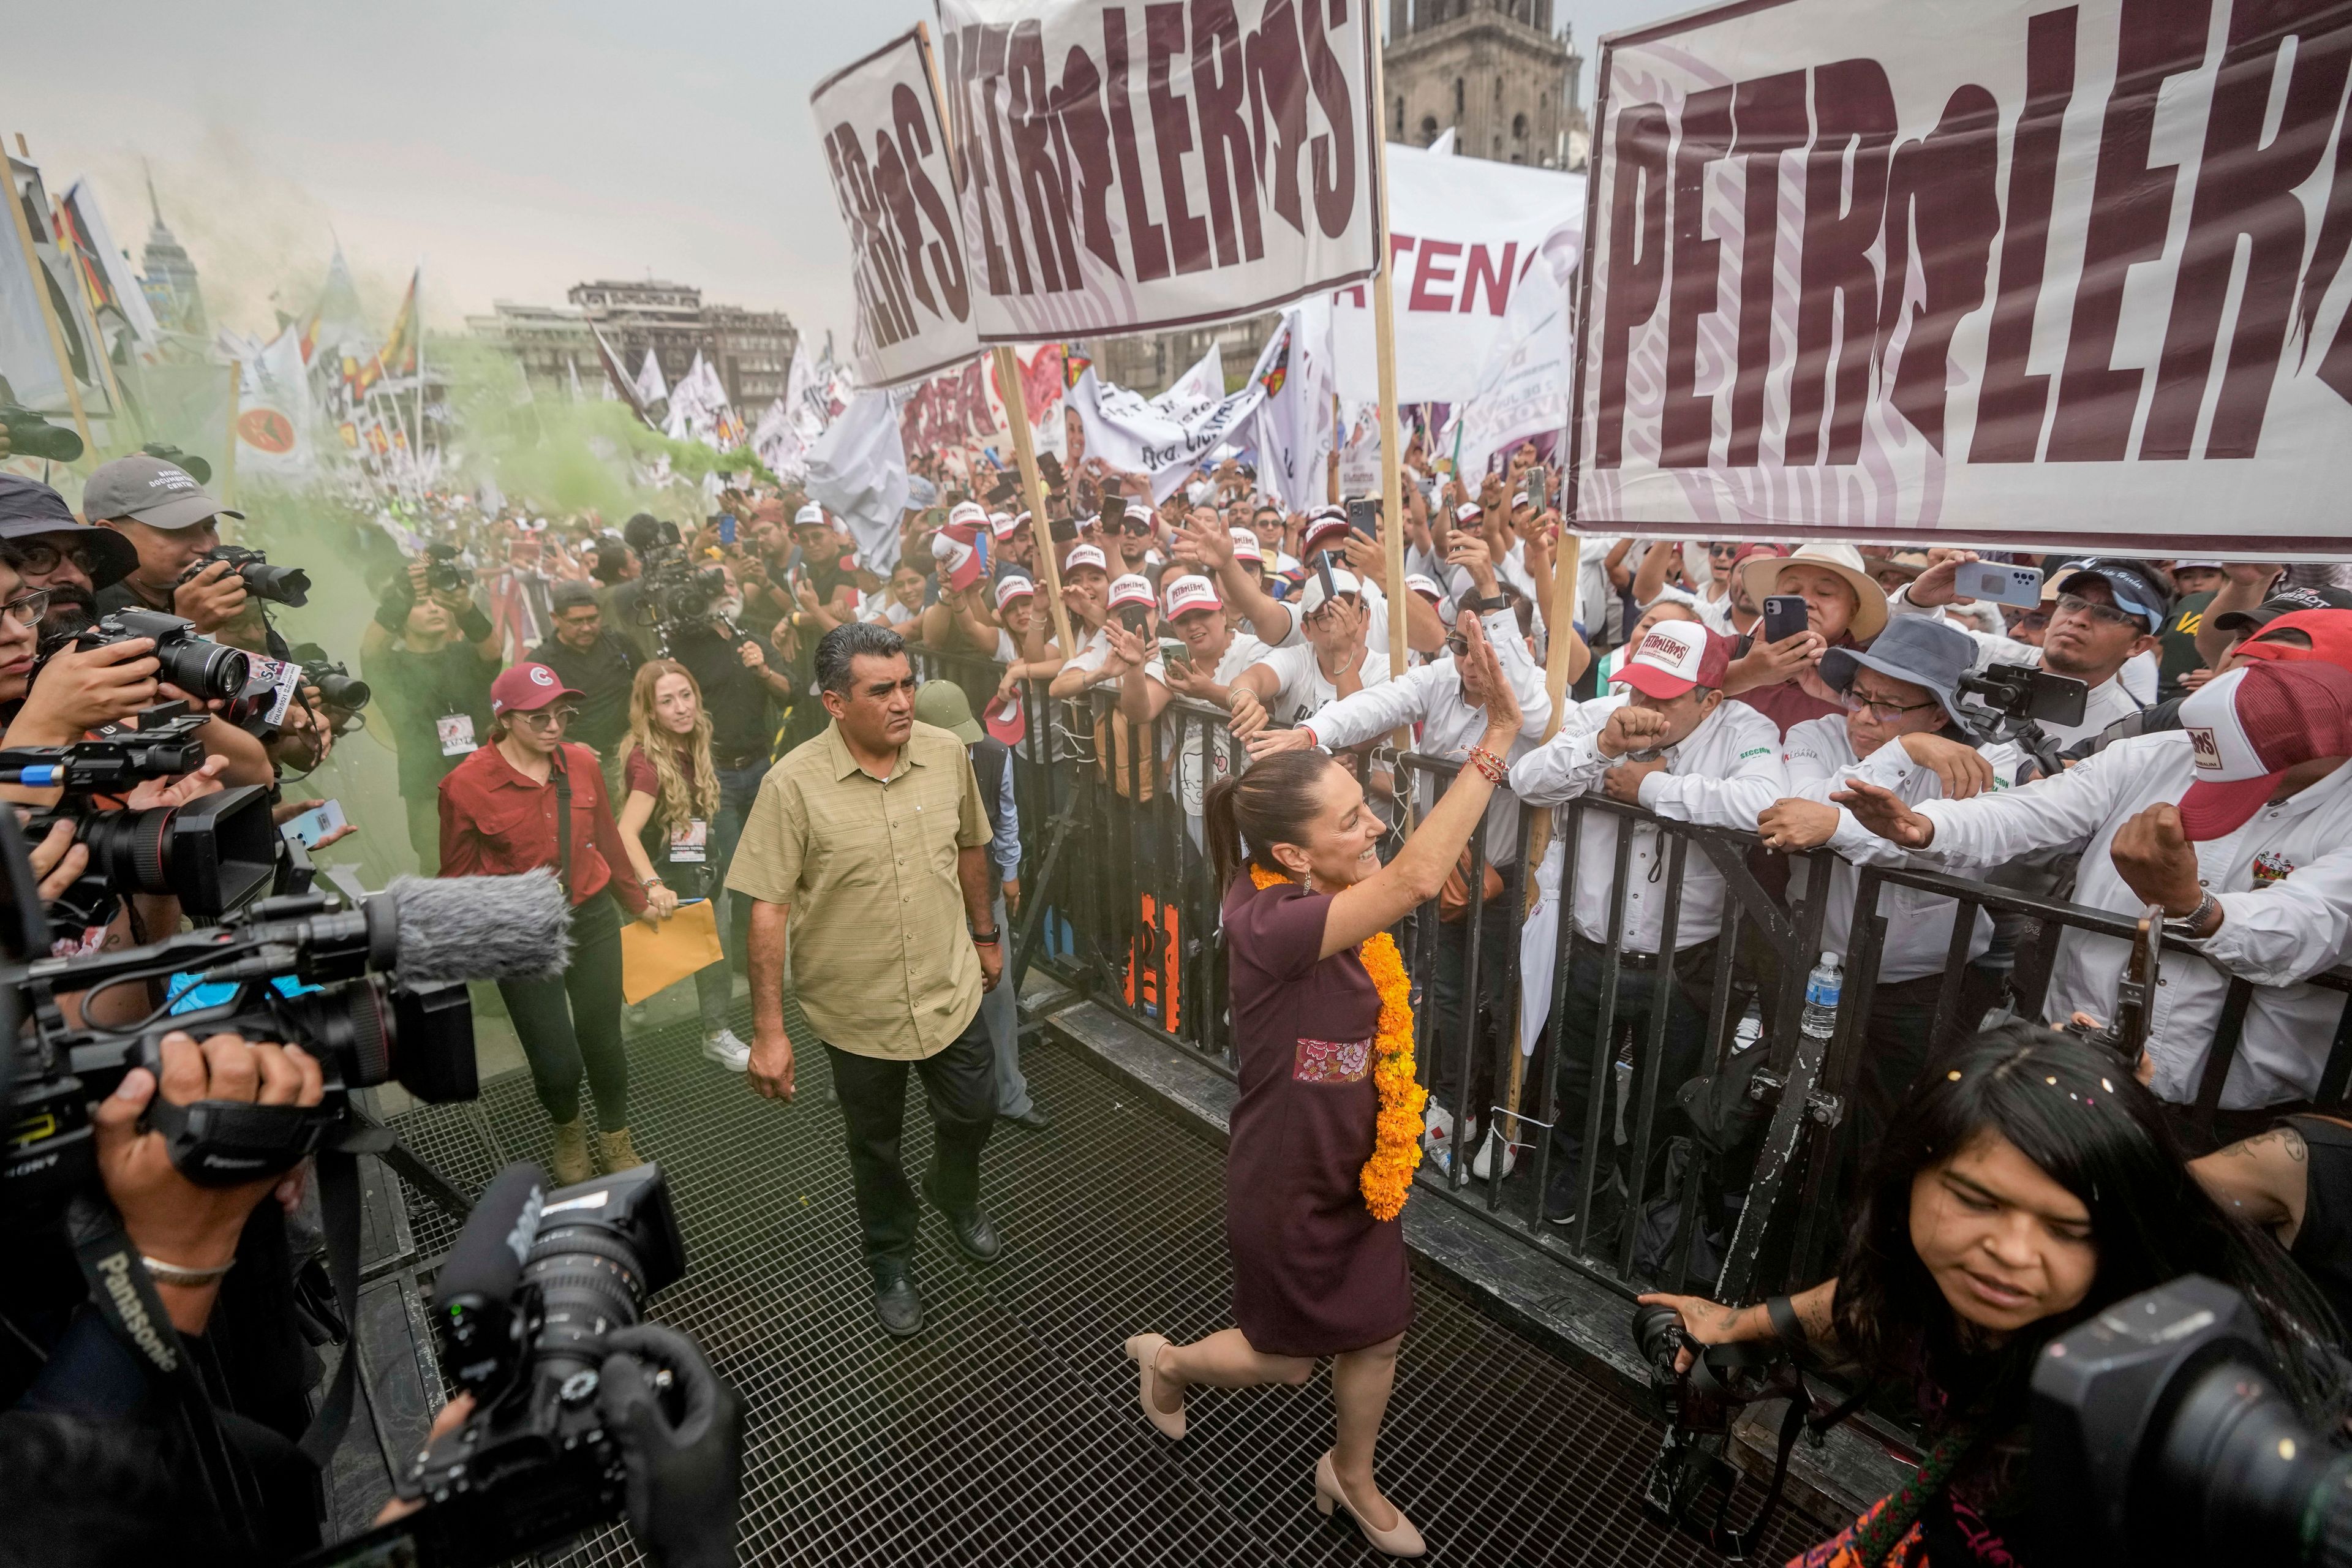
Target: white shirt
x=1241 y=652
x=2284 y=881
x=2104 y=703
x=1095 y=652
x=1304 y=688
x=1430 y=696
x=1375 y=606
x=1821 y=758
x=1723 y=775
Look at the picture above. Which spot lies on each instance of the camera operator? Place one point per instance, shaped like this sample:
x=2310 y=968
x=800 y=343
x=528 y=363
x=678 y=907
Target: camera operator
x=171 y=522
x=598 y=664
x=737 y=673
x=2026 y=1188
x=430 y=655
x=2237 y=825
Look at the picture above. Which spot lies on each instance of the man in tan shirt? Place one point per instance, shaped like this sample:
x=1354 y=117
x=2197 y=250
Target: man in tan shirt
x=871 y=841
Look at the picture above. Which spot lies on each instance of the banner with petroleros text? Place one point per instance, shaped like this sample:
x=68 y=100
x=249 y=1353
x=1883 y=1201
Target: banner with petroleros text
x=2010 y=272
x=879 y=122
x=1130 y=168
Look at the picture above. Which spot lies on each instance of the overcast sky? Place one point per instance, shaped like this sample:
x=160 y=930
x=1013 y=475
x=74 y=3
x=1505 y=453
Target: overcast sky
x=516 y=150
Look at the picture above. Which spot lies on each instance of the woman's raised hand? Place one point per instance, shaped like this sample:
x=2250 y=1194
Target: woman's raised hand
x=1483 y=669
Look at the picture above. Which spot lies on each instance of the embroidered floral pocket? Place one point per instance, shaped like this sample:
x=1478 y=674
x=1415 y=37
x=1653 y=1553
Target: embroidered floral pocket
x=1332 y=1061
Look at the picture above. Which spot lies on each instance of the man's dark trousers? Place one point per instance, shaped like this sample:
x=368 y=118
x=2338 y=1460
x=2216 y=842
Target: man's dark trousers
x=960 y=1083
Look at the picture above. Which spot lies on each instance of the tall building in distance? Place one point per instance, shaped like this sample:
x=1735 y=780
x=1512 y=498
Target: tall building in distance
x=1492 y=71
x=170 y=278
x=751 y=350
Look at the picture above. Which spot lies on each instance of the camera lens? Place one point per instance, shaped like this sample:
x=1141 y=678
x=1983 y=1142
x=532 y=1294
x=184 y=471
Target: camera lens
x=205 y=669
x=343 y=693
x=279 y=584
x=591 y=1281
x=2238 y=1465
x=41 y=439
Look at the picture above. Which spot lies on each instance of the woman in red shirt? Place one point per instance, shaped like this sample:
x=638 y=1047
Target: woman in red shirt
x=499 y=815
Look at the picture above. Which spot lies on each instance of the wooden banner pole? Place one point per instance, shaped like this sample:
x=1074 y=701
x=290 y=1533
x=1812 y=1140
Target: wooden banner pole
x=228 y=461
x=1010 y=386
x=1392 y=432
x=36 y=275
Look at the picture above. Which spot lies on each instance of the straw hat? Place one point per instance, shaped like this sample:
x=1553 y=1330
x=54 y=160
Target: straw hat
x=1762 y=576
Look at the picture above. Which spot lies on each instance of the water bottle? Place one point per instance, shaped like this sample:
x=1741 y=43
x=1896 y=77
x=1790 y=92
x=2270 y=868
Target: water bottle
x=1821 y=997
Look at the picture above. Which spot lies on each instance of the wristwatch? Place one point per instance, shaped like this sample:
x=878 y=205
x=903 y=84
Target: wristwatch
x=2192 y=926
x=1488 y=605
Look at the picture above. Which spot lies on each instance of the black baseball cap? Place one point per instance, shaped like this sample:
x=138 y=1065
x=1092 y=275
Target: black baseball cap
x=2286 y=602
x=31 y=509
x=2137 y=588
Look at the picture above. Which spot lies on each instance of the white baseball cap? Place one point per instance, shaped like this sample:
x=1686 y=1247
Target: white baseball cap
x=1312 y=598
x=1132 y=589
x=1245 y=546
x=1082 y=555
x=1675 y=657
x=1190 y=593
x=810 y=516
x=963 y=513
x=1010 y=588
x=1425 y=587
x=1469 y=511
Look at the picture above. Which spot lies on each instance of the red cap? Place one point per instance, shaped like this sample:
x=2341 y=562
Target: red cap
x=527 y=688
x=2249 y=727
x=2330 y=632
x=1675 y=657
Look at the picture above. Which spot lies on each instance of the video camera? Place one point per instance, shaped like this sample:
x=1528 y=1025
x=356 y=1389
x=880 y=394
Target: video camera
x=30 y=435
x=2160 y=1437
x=2012 y=702
x=533 y=1287
x=673 y=593
x=203 y=668
x=214 y=854
x=288 y=586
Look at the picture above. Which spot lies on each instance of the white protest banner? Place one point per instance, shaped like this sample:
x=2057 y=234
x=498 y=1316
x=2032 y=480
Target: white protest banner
x=1974 y=273
x=878 y=119
x=1462 y=231
x=1523 y=388
x=1165 y=437
x=959 y=415
x=1130 y=168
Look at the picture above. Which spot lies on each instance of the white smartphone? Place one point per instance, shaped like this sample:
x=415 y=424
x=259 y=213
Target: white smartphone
x=1999 y=581
x=315 y=825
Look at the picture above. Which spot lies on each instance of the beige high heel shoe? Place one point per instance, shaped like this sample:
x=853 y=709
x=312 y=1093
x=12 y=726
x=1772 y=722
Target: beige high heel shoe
x=1144 y=1350
x=1399 y=1539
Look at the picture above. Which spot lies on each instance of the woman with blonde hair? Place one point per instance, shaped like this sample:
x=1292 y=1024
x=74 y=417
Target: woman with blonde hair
x=673 y=825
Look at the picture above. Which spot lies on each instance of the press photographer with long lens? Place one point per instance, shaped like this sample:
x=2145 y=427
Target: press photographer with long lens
x=2028 y=1186
x=429 y=657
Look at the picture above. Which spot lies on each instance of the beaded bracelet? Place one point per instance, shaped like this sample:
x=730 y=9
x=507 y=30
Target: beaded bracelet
x=1488 y=764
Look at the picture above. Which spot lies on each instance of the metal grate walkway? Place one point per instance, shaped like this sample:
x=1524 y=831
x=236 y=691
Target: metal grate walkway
x=1008 y=1434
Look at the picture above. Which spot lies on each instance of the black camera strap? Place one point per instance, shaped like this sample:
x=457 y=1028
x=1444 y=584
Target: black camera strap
x=1709 y=1365
x=124 y=1297
x=562 y=820
x=338 y=1215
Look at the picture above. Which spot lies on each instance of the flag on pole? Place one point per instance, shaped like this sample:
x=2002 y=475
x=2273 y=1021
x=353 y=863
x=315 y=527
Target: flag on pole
x=649 y=386
x=397 y=358
x=629 y=391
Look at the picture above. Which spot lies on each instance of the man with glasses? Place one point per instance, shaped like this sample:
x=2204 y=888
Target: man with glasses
x=2108 y=613
x=1902 y=730
x=54 y=553
x=599 y=665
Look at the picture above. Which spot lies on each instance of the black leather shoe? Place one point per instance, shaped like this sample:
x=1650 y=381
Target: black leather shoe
x=975 y=1237
x=1032 y=1119
x=896 y=1303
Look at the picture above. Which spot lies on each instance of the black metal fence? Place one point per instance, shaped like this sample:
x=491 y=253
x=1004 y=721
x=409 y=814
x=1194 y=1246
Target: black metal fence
x=1732 y=1182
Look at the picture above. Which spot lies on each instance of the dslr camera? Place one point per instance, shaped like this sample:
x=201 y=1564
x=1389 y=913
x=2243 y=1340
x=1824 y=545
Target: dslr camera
x=214 y=854
x=289 y=585
x=2160 y=1437
x=534 y=1283
x=203 y=668
x=341 y=694
x=442 y=572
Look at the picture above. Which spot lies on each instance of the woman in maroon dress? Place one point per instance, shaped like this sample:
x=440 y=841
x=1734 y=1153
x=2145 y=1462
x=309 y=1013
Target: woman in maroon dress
x=1314 y=1274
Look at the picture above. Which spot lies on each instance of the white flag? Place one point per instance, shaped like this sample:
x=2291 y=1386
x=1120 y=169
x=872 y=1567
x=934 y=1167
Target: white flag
x=1523 y=387
x=1295 y=436
x=858 y=473
x=651 y=388
x=1166 y=437
x=778 y=444
x=274 y=423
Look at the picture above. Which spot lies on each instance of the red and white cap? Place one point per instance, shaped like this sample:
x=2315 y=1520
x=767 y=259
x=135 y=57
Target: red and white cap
x=810 y=516
x=2248 y=727
x=1321 y=524
x=1470 y=514
x=1132 y=589
x=1002 y=523
x=1190 y=593
x=1675 y=657
x=525 y=688
x=1082 y=556
x=1425 y=587
x=1013 y=588
x=1246 y=547
x=964 y=514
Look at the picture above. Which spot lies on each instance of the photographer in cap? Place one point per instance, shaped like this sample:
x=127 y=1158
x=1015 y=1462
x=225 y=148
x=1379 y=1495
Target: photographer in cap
x=597 y=663
x=430 y=654
x=171 y=522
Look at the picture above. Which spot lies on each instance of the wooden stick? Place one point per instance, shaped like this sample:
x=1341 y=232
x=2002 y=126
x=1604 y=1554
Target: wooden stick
x=228 y=463
x=37 y=275
x=1391 y=433
x=1008 y=384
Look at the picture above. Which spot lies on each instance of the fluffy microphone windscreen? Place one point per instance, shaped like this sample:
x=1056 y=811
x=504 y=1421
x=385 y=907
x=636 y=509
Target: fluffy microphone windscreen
x=481 y=928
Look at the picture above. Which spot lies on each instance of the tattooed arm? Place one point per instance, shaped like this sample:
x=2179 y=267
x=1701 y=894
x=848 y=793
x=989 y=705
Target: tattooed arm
x=1713 y=1323
x=2263 y=1180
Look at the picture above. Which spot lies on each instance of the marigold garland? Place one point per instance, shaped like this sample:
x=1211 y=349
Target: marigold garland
x=1387 y=1176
